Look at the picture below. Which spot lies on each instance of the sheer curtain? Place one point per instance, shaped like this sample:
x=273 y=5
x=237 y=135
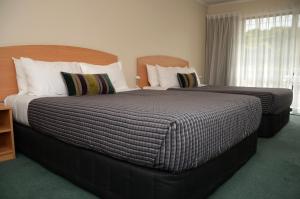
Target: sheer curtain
x=296 y=78
x=268 y=53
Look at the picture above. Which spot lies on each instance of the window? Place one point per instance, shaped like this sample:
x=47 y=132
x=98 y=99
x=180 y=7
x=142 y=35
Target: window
x=267 y=23
x=269 y=53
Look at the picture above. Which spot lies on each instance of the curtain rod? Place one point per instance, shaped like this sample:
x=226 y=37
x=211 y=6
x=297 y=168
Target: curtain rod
x=273 y=12
x=260 y=13
x=227 y=14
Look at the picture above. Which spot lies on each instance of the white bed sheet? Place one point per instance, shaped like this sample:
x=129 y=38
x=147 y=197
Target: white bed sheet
x=127 y=89
x=163 y=88
x=20 y=103
x=154 y=88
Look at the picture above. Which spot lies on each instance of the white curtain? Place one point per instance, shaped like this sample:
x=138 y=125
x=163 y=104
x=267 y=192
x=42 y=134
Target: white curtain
x=296 y=78
x=268 y=53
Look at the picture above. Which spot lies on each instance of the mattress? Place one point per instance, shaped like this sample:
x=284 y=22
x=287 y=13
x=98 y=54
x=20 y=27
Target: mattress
x=274 y=100
x=168 y=130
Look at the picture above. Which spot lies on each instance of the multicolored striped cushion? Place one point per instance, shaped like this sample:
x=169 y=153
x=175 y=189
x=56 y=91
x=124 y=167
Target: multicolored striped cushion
x=88 y=84
x=187 y=80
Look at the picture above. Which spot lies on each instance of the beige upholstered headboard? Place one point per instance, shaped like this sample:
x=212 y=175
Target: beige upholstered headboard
x=161 y=60
x=8 y=82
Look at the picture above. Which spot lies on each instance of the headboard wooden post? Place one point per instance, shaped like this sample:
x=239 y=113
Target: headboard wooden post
x=8 y=83
x=161 y=60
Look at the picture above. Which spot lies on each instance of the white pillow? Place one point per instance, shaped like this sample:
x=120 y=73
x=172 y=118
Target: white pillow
x=114 y=71
x=168 y=76
x=152 y=75
x=21 y=77
x=45 y=79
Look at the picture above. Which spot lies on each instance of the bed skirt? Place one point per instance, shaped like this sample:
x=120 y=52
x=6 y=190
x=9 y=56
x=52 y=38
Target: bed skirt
x=110 y=178
x=273 y=123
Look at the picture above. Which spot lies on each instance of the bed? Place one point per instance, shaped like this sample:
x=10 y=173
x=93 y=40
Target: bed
x=276 y=102
x=118 y=147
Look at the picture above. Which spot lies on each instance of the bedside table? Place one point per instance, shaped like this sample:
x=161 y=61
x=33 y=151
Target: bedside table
x=7 y=145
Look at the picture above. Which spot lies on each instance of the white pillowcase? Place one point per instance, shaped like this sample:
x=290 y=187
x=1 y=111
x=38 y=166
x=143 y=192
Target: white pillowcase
x=114 y=71
x=152 y=75
x=21 y=77
x=168 y=75
x=45 y=79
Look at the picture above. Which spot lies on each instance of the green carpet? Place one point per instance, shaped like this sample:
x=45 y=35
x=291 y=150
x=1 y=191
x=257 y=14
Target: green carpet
x=274 y=172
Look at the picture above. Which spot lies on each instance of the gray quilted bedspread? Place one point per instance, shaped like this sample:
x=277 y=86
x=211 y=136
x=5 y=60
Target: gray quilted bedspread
x=168 y=130
x=273 y=100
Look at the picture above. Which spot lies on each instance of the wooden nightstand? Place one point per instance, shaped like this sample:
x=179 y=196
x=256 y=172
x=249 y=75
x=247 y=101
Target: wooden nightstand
x=7 y=145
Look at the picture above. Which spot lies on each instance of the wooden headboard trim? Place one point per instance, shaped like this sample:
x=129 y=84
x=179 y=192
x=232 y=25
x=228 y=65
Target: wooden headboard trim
x=8 y=82
x=161 y=60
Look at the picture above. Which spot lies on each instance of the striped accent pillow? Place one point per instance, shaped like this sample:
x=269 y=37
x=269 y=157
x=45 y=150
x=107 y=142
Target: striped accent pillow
x=187 y=80
x=88 y=84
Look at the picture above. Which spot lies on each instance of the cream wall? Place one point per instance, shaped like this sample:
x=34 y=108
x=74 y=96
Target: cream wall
x=252 y=7
x=127 y=28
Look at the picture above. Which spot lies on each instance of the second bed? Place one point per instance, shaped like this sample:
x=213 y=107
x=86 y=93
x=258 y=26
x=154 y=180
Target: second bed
x=275 y=102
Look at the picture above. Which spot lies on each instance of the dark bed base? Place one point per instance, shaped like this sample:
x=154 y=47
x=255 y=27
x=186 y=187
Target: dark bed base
x=110 y=178
x=273 y=123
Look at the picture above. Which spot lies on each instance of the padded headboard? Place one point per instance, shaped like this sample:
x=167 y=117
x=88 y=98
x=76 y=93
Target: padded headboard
x=161 y=60
x=8 y=82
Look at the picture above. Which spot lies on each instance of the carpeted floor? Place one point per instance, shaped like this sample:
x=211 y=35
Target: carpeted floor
x=274 y=172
